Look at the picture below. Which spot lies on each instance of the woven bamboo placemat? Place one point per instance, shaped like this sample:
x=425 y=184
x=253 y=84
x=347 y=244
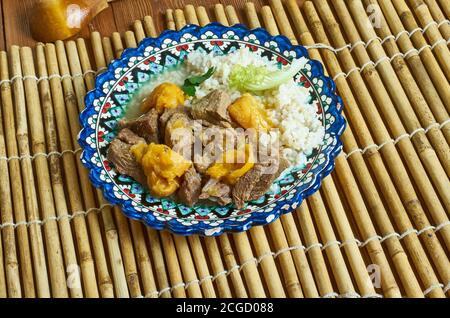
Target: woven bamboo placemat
x=378 y=227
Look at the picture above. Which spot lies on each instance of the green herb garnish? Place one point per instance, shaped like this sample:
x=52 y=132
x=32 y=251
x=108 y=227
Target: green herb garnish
x=190 y=83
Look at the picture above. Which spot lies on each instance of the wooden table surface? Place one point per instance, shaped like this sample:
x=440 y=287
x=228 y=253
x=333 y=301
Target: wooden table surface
x=118 y=17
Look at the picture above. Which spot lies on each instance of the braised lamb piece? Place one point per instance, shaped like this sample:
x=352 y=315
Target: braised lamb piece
x=258 y=180
x=128 y=136
x=216 y=190
x=146 y=126
x=119 y=154
x=190 y=188
x=213 y=109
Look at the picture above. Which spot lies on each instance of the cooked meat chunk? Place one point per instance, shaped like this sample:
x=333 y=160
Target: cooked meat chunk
x=266 y=179
x=145 y=126
x=129 y=137
x=165 y=116
x=215 y=141
x=125 y=163
x=245 y=184
x=191 y=187
x=217 y=191
x=213 y=108
x=258 y=180
x=179 y=134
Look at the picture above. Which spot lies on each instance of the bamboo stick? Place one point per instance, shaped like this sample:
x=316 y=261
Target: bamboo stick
x=298 y=255
x=117 y=44
x=3 y=293
x=432 y=34
x=107 y=49
x=217 y=267
x=128 y=255
x=18 y=207
x=190 y=14
x=269 y=269
x=62 y=95
x=38 y=253
x=393 y=200
x=202 y=15
x=231 y=14
x=158 y=263
x=142 y=257
x=6 y=207
x=104 y=278
x=187 y=266
x=248 y=265
x=149 y=26
x=314 y=252
x=406 y=110
x=202 y=267
x=236 y=279
x=67 y=240
x=375 y=203
x=180 y=21
x=35 y=120
x=252 y=16
x=415 y=64
x=115 y=255
x=112 y=239
x=169 y=19
x=260 y=241
x=399 y=18
x=138 y=29
x=173 y=266
x=337 y=263
x=438 y=16
x=220 y=14
x=445 y=5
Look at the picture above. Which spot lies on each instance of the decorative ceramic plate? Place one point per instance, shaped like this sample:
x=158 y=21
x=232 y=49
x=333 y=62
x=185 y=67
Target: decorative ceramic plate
x=106 y=104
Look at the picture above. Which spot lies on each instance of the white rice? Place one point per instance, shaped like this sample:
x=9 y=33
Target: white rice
x=299 y=127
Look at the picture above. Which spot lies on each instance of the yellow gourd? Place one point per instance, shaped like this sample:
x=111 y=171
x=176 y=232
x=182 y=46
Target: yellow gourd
x=165 y=95
x=247 y=112
x=229 y=168
x=162 y=166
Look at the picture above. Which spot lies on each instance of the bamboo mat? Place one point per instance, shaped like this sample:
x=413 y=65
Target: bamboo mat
x=378 y=227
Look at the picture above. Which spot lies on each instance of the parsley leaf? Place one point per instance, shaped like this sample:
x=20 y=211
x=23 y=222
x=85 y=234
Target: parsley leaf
x=191 y=82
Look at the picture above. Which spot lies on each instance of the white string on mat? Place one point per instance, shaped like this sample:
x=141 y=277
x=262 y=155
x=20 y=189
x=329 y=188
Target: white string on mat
x=390 y=59
x=447 y=287
x=432 y=287
x=442 y=22
x=55 y=218
x=41 y=154
x=49 y=77
x=399 y=138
